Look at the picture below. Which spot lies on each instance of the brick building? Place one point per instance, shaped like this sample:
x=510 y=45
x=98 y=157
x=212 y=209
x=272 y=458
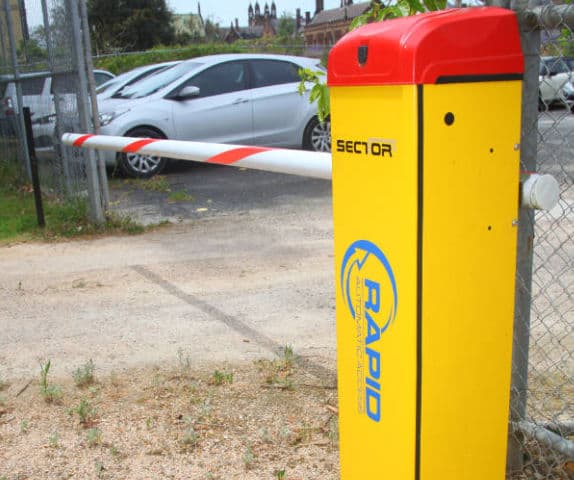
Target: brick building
x=261 y=23
x=328 y=26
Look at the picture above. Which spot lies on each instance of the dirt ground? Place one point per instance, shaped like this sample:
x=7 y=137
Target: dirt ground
x=212 y=344
x=213 y=349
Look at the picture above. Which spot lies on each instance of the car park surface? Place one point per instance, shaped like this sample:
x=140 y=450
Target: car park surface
x=246 y=99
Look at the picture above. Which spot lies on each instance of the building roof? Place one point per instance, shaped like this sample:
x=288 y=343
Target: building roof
x=340 y=14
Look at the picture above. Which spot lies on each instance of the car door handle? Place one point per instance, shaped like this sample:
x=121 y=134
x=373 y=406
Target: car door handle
x=239 y=100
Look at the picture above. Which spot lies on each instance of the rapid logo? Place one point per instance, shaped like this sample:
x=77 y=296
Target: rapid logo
x=370 y=292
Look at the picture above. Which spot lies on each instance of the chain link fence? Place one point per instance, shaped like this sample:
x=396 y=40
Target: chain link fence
x=46 y=66
x=542 y=415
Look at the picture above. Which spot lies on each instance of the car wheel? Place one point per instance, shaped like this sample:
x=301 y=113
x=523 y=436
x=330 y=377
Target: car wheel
x=317 y=136
x=137 y=165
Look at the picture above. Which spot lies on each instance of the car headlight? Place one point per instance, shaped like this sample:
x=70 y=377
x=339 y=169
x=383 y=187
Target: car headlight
x=108 y=117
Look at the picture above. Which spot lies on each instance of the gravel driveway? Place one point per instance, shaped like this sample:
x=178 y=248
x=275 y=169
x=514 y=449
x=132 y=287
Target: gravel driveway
x=234 y=286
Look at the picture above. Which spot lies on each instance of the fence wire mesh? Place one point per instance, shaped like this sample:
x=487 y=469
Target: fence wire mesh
x=543 y=415
x=40 y=68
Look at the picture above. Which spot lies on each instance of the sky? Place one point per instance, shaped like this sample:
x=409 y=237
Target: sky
x=225 y=11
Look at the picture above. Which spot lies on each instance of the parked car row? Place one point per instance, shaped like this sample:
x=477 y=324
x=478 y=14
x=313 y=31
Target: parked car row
x=556 y=82
x=38 y=93
x=246 y=99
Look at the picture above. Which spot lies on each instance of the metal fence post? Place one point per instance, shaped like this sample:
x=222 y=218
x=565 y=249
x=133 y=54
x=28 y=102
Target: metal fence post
x=14 y=57
x=530 y=39
x=96 y=210
x=94 y=103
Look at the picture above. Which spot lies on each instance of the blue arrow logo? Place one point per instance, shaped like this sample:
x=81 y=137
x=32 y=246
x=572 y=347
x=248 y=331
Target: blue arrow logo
x=356 y=257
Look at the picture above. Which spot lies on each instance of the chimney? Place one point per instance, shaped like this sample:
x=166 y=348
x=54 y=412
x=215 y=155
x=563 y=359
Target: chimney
x=318 y=6
x=307 y=18
x=298 y=20
x=236 y=24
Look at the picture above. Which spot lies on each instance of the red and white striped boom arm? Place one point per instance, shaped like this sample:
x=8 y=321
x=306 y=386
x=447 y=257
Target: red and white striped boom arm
x=296 y=162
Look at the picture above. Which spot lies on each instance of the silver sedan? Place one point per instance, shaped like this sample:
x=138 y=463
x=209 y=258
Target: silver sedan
x=245 y=99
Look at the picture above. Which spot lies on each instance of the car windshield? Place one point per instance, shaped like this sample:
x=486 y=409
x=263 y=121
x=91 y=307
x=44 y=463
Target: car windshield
x=129 y=78
x=156 y=82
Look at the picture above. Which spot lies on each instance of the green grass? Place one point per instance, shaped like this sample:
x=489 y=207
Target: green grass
x=179 y=196
x=64 y=218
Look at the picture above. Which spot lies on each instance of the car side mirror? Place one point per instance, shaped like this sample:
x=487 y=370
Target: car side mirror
x=188 y=92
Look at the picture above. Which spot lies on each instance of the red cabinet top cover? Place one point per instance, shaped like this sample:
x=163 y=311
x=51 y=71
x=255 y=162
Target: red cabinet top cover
x=438 y=47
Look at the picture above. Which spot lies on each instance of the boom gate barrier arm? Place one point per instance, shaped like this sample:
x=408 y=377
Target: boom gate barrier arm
x=538 y=191
x=425 y=133
x=310 y=164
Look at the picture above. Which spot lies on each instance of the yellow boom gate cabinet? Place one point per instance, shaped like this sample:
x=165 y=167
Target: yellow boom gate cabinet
x=426 y=132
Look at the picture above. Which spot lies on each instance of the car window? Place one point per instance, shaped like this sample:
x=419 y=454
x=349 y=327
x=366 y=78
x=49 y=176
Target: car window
x=274 y=72
x=101 y=77
x=224 y=78
x=156 y=82
x=33 y=86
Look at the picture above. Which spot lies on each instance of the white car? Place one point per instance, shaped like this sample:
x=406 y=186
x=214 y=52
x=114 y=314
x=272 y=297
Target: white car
x=39 y=91
x=246 y=99
x=555 y=83
x=116 y=85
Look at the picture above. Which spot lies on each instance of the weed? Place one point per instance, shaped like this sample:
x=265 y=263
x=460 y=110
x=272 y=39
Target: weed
x=99 y=469
x=184 y=361
x=284 y=433
x=248 y=458
x=179 y=196
x=84 y=375
x=115 y=451
x=280 y=474
x=54 y=440
x=288 y=356
x=265 y=436
x=3 y=384
x=24 y=426
x=193 y=397
x=51 y=393
x=94 y=437
x=333 y=432
x=304 y=435
x=149 y=423
x=85 y=412
x=190 y=438
x=205 y=409
x=158 y=183
x=221 y=378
